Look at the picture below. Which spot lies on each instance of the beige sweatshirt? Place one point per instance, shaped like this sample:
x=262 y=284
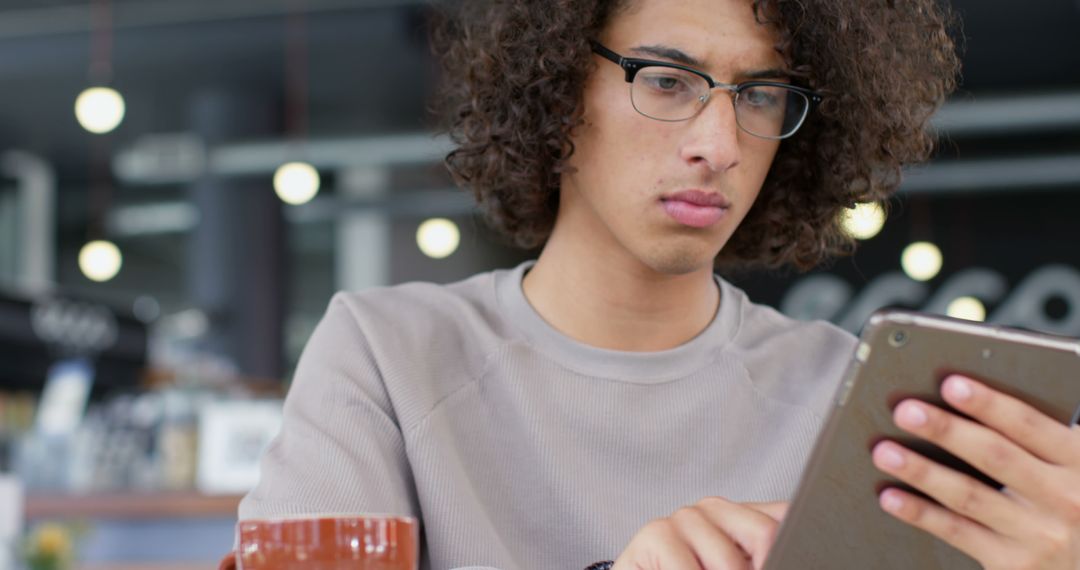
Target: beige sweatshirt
x=520 y=448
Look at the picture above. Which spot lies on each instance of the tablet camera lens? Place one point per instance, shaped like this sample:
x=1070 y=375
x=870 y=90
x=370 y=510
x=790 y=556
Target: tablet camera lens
x=898 y=339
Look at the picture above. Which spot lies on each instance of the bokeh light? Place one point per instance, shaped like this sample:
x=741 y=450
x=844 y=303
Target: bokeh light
x=921 y=261
x=864 y=221
x=296 y=183
x=968 y=308
x=99 y=109
x=438 y=238
x=100 y=260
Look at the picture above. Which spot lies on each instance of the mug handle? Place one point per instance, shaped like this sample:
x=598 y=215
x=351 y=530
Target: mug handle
x=228 y=562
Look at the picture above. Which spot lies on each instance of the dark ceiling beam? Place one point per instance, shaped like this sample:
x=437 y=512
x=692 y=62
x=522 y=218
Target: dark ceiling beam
x=76 y=18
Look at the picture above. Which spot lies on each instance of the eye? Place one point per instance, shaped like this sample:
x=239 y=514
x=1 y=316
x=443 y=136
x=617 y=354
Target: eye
x=762 y=96
x=665 y=82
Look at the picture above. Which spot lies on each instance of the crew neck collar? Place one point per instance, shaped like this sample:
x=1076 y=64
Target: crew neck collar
x=636 y=367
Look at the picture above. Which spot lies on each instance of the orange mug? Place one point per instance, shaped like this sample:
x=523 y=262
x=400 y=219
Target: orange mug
x=330 y=542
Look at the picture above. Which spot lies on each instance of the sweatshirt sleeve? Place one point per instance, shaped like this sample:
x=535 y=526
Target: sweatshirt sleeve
x=340 y=448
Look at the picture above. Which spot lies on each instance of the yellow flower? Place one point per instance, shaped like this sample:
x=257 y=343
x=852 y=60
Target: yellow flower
x=52 y=539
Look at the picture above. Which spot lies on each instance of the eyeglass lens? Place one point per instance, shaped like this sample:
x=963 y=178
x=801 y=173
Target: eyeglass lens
x=670 y=94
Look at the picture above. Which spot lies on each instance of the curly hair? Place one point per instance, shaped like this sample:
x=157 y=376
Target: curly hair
x=514 y=77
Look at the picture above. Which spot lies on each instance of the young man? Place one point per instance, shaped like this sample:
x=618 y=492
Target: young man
x=615 y=399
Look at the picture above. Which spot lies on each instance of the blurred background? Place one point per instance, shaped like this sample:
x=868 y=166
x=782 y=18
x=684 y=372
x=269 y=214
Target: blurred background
x=183 y=186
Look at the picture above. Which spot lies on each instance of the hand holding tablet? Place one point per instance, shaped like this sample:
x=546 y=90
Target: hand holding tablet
x=933 y=418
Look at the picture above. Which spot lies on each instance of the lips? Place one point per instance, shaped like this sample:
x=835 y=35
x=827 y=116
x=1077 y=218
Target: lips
x=699 y=198
x=696 y=208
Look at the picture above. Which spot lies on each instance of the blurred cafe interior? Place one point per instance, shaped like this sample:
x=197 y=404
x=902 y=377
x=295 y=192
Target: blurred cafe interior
x=184 y=185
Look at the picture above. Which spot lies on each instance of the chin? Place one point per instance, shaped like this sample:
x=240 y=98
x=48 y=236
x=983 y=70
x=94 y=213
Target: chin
x=681 y=256
x=680 y=262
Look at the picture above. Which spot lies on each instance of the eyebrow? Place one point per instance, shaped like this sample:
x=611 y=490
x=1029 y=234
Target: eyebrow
x=676 y=55
x=679 y=56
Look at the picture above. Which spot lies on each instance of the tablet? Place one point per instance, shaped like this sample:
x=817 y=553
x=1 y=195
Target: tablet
x=834 y=520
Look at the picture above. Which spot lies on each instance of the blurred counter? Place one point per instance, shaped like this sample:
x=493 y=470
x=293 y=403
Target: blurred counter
x=131 y=506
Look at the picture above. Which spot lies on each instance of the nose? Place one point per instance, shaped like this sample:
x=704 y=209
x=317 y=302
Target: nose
x=712 y=136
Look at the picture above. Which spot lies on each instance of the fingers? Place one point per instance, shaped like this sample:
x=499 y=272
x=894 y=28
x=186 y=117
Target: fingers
x=1048 y=545
x=713 y=534
x=1034 y=522
x=958 y=492
x=965 y=535
x=657 y=546
x=753 y=530
x=1043 y=436
x=983 y=448
x=776 y=510
x=713 y=550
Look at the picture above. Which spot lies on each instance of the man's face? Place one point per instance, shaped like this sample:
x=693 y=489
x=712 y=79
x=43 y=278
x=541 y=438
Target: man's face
x=630 y=168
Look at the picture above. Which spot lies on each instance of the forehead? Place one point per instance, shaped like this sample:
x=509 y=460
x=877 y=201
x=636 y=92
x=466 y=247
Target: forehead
x=724 y=34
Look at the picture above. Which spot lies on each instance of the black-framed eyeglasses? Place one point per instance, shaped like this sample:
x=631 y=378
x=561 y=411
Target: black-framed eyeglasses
x=671 y=92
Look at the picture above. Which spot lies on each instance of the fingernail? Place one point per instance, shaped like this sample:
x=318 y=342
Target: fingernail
x=890 y=457
x=913 y=415
x=891 y=502
x=958 y=388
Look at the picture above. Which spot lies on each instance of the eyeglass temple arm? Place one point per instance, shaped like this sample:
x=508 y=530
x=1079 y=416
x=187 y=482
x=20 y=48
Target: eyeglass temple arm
x=628 y=66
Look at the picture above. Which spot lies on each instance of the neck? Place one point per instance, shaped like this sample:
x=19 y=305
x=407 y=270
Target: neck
x=616 y=302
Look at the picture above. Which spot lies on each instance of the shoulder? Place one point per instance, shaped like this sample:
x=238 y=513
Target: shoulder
x=419 y=313
x=764 y=325
x=415 y=342
x=798 y=361
x=418 y=301
x=425 y=324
